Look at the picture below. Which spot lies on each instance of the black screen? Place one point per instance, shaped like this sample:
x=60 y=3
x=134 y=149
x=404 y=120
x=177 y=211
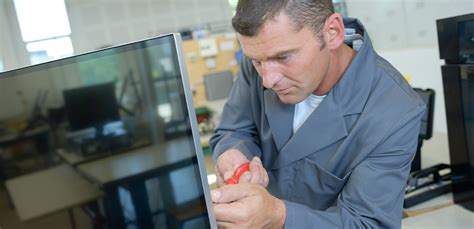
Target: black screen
x=466 y=40
x=91 y=106
x=467 y=88
x=458 y=83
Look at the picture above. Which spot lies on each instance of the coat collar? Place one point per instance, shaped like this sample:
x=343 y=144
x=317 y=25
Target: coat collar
x=354 y=86
x=322 y=128
x=280 y=118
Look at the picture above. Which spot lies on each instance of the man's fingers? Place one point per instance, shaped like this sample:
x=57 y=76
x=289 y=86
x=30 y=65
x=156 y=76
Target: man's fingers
x=228 y=174
x=245 y=178
x=229 y=213
x=259 y=174
x=227 y=207
x=230 y=193
x=263 y=173
x=224 y=168
x=265 y=179
x=220 y=180
x=228 y=162
x=256 y=171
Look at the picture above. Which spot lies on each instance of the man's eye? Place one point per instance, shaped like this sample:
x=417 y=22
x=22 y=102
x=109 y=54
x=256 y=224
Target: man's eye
x=283 y=58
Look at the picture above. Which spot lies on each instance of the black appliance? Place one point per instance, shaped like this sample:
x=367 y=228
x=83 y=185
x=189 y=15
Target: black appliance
x=456 y=47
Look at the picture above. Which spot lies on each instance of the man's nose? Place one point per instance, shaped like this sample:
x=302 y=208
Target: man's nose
x=270 y=75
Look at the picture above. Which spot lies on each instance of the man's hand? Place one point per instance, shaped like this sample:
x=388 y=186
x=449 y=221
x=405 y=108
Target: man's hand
x=247 y=206
x=229 y=161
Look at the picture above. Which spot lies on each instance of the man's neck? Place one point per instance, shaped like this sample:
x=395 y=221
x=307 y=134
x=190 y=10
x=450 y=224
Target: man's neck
x=339 y=62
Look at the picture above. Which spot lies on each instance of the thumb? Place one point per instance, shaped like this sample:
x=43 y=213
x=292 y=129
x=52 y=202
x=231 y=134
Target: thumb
x=230 y=193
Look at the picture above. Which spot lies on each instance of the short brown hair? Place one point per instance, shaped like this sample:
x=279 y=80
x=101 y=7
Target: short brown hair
x=252 y=14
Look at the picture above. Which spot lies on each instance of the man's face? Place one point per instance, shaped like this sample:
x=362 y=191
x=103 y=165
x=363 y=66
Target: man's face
x=290 y=63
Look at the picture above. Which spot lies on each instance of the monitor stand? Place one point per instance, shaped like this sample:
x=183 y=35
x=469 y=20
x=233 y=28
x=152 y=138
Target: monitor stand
x=86 y=142
x=107 y=138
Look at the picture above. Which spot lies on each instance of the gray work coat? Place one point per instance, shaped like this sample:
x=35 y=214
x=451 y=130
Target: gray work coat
x=347 y=165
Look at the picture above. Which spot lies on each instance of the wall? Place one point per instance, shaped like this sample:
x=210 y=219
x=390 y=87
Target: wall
x=423 y=66
x=99 y=23
x=404 y=32
x=197 y=65
x=109 y=22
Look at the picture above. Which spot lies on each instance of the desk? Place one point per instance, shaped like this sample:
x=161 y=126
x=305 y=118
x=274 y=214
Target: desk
x=130 y=170
x=74 y=158
x=49 y=191
x=69 y=157
x=204 y=138
x=61 y=187
x=216 y=107
x=139 y=162
x=15 y=136
x=41 y=136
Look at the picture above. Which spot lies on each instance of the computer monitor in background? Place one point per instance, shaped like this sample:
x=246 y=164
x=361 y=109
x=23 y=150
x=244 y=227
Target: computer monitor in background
x=218 y=85
x=91 y=106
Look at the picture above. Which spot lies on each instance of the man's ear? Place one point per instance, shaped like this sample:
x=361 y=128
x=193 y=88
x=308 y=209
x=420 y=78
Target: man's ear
x=334 y=31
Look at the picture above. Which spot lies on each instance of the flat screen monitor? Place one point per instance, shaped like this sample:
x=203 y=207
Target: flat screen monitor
x=466 y=40
x=218 y=85
x=91 y=106
x=160 y=181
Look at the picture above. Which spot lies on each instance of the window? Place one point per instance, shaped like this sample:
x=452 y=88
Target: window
x=339 y=6
x=233 y=5
x=44 y=28
x=1 y=66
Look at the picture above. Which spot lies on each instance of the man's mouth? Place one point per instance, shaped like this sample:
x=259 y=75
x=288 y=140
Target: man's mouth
x=283 y=91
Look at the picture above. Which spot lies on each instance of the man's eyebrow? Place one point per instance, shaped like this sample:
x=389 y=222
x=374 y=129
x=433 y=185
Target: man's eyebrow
x=282 y=53
x=276 y=55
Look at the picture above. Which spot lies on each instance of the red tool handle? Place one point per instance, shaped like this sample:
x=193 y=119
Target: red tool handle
x=241 y=170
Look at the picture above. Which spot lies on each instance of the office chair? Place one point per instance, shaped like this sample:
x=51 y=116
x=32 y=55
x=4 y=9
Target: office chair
x=425 y=184
x=426 y=129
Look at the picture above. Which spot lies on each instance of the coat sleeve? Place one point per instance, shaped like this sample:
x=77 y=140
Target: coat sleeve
x=237 y=126
x=374 y=192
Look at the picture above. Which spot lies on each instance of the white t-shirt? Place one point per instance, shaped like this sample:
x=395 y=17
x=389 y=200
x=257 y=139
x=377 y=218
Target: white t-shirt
x=304 y=108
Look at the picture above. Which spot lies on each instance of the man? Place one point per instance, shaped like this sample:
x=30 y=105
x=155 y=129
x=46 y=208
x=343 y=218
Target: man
x=330 y=131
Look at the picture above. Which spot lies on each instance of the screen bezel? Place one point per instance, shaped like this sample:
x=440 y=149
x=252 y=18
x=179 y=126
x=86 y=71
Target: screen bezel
x=195 y=130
